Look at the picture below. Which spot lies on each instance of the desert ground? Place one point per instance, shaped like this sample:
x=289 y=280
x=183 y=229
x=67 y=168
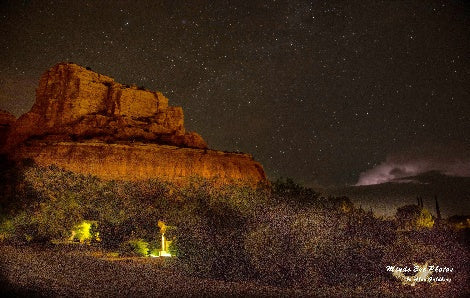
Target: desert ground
x=90 y=272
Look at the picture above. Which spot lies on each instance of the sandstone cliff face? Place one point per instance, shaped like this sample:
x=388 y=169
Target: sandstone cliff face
x=74 y=102
x=144 y=161
x=68 y=91
x=88 y=123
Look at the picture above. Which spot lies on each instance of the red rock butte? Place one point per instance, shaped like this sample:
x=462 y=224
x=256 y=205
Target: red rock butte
x=88 y=123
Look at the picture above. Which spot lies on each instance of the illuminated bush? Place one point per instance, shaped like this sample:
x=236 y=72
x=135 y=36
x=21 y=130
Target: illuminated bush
x=86 y=231
x=135 y=247
x=425 y=219
x=7 y=228
x=155 y=247
x=56 y=200
x=414 y=217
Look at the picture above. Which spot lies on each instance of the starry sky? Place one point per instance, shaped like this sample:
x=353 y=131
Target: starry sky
x=325 y=92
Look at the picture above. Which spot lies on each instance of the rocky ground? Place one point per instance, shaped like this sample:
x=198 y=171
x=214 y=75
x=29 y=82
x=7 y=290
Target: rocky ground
x=55 y=271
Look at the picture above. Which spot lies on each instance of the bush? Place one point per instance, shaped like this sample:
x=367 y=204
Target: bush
x=135 y=247
x=414 y=217
x=309 y=248
x=86 y=231
x=7 y=229
x=425 y=219
x=209 y=235
x=273 y=250
x=287 y=191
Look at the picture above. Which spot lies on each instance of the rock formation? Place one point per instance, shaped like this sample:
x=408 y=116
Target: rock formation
x=144 y=161
x=88 y=123
x=74 y=103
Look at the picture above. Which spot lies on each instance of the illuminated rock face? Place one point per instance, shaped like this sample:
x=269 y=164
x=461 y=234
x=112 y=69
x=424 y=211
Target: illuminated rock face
x=144 y=161
x=87 y=123
x=67 y=92
x=73 y=102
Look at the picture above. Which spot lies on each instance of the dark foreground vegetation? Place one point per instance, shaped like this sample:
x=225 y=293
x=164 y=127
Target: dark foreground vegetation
x=280 y=239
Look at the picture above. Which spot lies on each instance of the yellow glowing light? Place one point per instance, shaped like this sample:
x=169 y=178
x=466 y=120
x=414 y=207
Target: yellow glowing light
x=164 y=252
x=162 y=226
x=83 y=232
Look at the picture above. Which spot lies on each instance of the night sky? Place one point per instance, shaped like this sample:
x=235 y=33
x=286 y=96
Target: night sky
x=324 y=92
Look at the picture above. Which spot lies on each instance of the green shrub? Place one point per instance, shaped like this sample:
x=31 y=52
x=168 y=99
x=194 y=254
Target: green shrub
x=209 y=236
x=414 y=217
x=7 y=228
x=135 y=247
x=86 y=231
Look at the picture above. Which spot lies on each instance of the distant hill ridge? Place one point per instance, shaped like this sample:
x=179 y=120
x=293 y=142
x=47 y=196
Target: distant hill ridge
x=452 y=192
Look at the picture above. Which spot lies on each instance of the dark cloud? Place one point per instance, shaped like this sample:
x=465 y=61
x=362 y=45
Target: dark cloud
x=399 y=172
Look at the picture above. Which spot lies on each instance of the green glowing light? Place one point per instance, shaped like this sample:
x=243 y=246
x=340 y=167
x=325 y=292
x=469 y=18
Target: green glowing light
x=85 y=232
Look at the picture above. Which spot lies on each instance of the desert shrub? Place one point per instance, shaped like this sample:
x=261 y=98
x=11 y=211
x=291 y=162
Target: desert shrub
x=53 y=201
x=47 y=220
x=272 y=248
x=86 y=231
x=349 y=262
x=287 y=191
x=307 y=248
x=245 y=199
x=7 y=228
x=135 y=247
x=283 y=244
x=424 y=219
x=414 y=217
x=56 y=218
x=365 y=225
x=209 y=236
x=193 y=247
x=132 y=210
x=25 y=230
